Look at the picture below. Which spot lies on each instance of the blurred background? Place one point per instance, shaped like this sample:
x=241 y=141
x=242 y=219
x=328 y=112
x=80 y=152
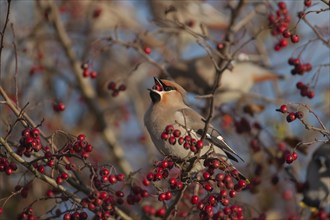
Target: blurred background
x=85 y=67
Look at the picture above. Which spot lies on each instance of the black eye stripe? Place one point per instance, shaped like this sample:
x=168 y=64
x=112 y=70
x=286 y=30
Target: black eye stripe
x=168 y=88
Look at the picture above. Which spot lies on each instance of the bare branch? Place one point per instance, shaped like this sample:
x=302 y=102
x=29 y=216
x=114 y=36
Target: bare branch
x=3 y=35
x=87 y=89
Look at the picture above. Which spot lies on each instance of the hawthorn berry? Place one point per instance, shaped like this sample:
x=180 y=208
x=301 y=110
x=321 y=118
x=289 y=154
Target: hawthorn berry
x=147 y=50
x=295 y=38
x=299 y=114
x=291 y=117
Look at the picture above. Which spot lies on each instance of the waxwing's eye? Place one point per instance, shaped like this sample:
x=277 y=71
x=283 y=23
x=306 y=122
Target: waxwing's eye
x=169 y=88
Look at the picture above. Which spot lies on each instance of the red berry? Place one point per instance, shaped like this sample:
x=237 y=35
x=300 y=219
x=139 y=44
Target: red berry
x=295 y=38
x=50 y=193
x=97 y=12
x=59 y=180
x=300 y=85
x=194 y=200
x=206 y=175
x=93 y=74
x=150 y=176
x=281 y=28
x=277 y=47
x=169 y=129
x=286 y=34
x=164 y=164
x=147 y=50
x=289 y=158
x=242 y=183
x=176 y=133
x=122 y=87
x=310 y=94
x=208 y=187
x=287 y=195
x=35 y=132
x=283 y=108
x=299 y=114
x=168 y=195
x=294 y=155
x=67 y=216
x=232 y=193
x=199 y=144
x=308 y=3
x=112 y=85
x=86 y=73
x=164 y=136
x=283 y=42
x=120 y=193
x=112 y=179
x=64 y=175
x=300 y=69
x=162 y=197
x=220 y=46
x=291 y=117
x=307 y=67
x=146 y=182
x=161 y=212
x=172 y=140
x=120 y=177
x=281 y=5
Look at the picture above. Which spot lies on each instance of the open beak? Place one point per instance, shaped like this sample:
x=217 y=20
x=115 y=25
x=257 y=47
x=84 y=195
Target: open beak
x=159 y=85
x=154 y=92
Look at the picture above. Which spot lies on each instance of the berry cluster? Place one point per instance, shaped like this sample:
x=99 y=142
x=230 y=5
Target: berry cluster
x=100 y=202
x=227 y=189
x=305 y=90
x=280 y=22
x=75 y=215
x=174 y=136
x=299 y=68
x=150 y=210
x=115 y=90
x=160 y=172
x=27 y=214
x=58 y=106
x=106 y=177
x=30 y=141
x=80 y=146
x=87 y=72
x=291 y=115
x=6 y=166
x=136 y=195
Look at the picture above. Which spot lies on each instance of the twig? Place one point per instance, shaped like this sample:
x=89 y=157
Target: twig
x=39 y=175
x=3 y=35
x=175 y=203
x=16 y=58
x=318 y=34
x=223 y=64
x=315 y=115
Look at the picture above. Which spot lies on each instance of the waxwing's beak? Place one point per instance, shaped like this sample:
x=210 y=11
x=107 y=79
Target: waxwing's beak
x=154 y=92
x=159 y=85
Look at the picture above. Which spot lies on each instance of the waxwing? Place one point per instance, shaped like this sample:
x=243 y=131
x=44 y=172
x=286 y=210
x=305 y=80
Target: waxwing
x=197 y=76
x=172 y=124
x=317 y=191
